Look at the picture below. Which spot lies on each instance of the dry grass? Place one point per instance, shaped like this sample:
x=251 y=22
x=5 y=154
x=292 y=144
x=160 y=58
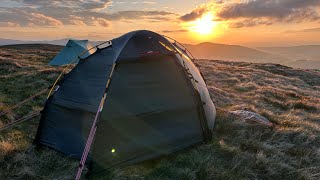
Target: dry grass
x=288 y=97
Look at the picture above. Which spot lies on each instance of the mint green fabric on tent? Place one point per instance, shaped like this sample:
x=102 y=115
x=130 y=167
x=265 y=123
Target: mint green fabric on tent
x=72 y=50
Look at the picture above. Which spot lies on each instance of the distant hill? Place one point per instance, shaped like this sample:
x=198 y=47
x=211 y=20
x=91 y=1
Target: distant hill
x=307 y=57
x=209 y=50
x=46 y=47
x=308 y=52
x=304 y=64
x=12 y=42
x=299 y=56
x=60 y=42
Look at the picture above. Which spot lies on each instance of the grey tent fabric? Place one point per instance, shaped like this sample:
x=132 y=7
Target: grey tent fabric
x=153 y=106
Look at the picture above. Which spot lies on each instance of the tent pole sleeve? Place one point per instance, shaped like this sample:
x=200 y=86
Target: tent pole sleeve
x=93 y=129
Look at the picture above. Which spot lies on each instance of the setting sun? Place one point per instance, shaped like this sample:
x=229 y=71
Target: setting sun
x=204 y=25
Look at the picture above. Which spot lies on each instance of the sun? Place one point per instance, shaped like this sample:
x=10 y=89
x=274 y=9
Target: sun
x=204 y=25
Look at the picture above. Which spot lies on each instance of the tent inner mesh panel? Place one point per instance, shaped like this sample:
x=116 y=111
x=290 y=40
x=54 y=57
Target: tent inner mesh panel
x=150 y=110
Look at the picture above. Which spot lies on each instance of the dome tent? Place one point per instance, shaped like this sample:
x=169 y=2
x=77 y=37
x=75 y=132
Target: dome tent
x=144 y=96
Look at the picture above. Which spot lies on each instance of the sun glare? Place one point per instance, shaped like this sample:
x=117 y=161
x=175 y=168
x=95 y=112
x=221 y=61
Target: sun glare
x=204 y=25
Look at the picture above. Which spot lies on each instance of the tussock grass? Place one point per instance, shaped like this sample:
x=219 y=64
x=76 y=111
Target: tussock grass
x=288 y=97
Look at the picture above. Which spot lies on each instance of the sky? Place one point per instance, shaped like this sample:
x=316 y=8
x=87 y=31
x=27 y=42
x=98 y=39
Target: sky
x=244 y=22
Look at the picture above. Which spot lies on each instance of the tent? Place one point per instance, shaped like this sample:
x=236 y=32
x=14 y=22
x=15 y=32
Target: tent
x=143 y=92
x=73 y=50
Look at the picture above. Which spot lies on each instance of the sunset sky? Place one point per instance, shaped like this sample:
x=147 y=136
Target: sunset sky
x=245 y=22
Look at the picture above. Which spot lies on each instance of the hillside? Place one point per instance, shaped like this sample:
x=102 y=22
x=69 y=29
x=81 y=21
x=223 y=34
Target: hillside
x=232 y=53
x=309 y=52
x=239 y=150
x=299 y=56
x=10 y=41
x=307 y=57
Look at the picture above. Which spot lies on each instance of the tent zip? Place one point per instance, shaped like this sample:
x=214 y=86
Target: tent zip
x=93 y=128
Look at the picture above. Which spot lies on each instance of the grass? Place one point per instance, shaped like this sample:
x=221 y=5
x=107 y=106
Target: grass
x=239 y=150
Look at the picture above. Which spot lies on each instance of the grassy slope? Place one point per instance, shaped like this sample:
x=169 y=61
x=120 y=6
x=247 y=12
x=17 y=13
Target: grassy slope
x=288 y=97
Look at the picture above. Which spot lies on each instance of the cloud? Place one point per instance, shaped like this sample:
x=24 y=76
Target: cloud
x=149 y=2
x=48 y=3
x=23 y=18
x=40 y=19
x=155 y=15
x=77 y=22
x=103 y=22
x=143 y=2
x=175 y=31
x=248 y=13
x=249 y=23
x=196 y=13
x=267 y=12
x=74 y=12
x=266 y=8
x=199 y=11
x=78 y=4
x=311 y=30
x=96 y=5
x=8 y=24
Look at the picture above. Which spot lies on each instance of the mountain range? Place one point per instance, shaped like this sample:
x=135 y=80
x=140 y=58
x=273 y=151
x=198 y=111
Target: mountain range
x=216 y=51
x=61 y=42
x=307 y=56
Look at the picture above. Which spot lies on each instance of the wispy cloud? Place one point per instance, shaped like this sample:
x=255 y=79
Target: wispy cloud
x=249 y=23
x=311 y=30
x=149 y=2
x=175 y=31
x=41 y=19
x=96 y=5
x=143 y=2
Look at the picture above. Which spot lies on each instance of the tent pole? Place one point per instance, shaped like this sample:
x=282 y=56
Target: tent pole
x=93 y=128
